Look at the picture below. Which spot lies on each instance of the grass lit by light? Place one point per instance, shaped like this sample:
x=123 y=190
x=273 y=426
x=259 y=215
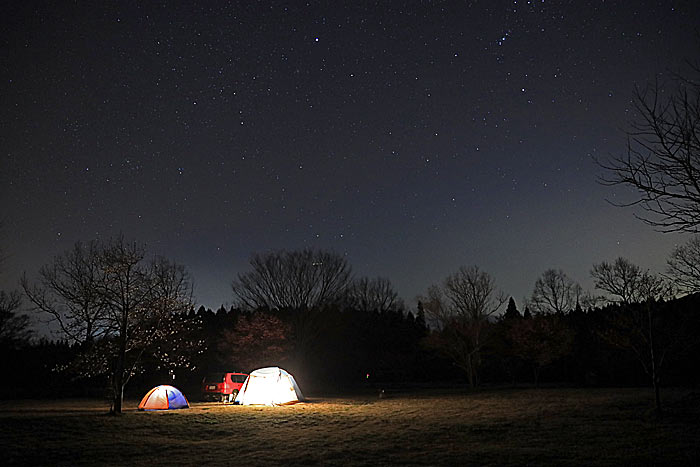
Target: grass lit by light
x=498 y=427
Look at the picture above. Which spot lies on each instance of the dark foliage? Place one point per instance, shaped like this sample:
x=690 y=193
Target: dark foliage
x=372 y=349
x=15 y=328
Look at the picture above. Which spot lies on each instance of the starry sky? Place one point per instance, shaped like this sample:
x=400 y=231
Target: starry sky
x=410 y=137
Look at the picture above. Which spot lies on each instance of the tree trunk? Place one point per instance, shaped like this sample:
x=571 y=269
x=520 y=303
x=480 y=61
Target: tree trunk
x=117 y=397
x=654 y=370
x=470 y=372
x=118 y=377
x=657 y=397
x=118 y=385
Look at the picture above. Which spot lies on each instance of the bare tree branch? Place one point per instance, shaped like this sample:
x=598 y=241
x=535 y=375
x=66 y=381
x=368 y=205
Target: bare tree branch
x=684 y=266
x=118 y=307
x=461 y=309
x=296 y=280
x=555 y=292
x=662 y=161
x=373 y=295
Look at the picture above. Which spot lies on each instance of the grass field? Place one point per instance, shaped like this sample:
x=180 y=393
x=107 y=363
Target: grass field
x=491 y=427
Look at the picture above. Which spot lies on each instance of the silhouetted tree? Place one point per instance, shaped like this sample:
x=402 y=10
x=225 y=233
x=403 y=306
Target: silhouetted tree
x=511 y=310
x=503 y=346
x=69 y=291
x=373 y=295
x=14 y=327
x=301 y=284
x=119 y=307
x=684 y=266
x=637 y=323
x=662 y=161
x=626 y=282
x=541 y=340
x=293 y=280
x=555 y=292
x=420 y=315
x=461 y=308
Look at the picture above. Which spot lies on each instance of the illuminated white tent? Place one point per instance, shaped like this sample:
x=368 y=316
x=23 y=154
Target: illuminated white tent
x=269 y=386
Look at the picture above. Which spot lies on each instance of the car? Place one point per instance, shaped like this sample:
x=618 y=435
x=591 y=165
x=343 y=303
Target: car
x=222 y=387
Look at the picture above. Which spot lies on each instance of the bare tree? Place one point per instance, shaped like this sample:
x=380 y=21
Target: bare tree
x=461 y=308
x=684 y=266
x=118 y=306
x=628 y=283
x=68 y=291
x=555 y=292
x=161 y=331
x=373 y=295
x=295 y=280
x=662 y=161
x=637 y=324
x=301 y=283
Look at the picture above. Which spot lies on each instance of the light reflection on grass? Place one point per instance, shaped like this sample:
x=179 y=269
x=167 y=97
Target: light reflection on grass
x=496 y=427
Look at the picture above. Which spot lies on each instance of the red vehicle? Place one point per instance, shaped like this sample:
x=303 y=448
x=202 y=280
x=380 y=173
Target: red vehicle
x=222 y=387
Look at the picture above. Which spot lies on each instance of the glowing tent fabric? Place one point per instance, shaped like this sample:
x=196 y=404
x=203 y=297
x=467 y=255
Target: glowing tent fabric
x=269 y=386
x=164 y=398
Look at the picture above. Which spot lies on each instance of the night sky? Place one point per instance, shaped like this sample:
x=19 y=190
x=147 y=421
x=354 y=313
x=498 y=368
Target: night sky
x=412 y=138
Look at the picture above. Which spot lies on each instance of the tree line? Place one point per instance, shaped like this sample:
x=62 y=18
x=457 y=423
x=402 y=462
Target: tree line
x=125 y=316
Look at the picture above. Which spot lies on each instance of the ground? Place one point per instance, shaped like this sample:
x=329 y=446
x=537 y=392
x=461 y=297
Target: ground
x=426 y=427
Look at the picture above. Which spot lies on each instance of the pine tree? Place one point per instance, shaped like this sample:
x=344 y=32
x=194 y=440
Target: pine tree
x=511 y=311
x=420 y=317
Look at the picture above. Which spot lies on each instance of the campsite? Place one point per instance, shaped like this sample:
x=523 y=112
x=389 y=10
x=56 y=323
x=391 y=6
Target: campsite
x=411 y=233
x=420 y=426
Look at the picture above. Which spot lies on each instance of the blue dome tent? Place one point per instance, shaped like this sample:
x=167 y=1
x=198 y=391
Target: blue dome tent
x=164 y=398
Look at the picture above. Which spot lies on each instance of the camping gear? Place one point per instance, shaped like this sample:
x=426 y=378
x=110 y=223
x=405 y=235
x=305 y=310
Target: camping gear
x=164 y=398
x=269 y=386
